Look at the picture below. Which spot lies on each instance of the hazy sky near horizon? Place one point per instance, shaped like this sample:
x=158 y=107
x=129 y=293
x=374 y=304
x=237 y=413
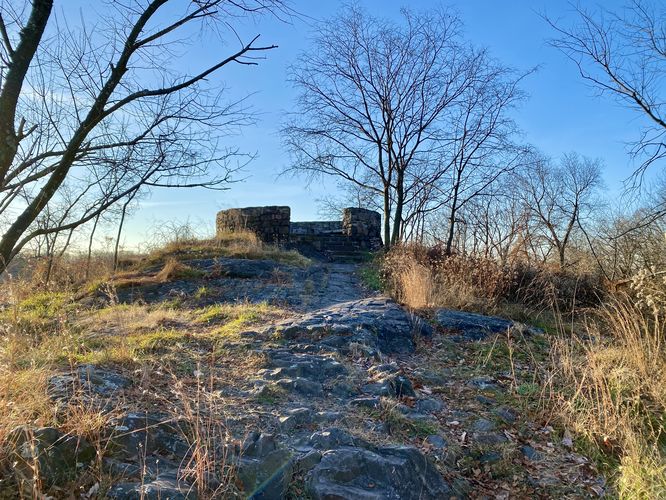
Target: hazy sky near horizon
x=562 y=113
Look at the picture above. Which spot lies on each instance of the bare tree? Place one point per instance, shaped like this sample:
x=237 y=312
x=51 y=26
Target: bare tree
x=381 y=107
x=561 y=199
x=104 y=109
x=482 y=150
x=497 y=220
x=624 y=54
x=373 y=95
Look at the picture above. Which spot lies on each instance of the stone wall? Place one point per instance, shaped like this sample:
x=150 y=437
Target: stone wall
x=316 y=227
x=361 y=223
x=360 y=229
x=271 y=224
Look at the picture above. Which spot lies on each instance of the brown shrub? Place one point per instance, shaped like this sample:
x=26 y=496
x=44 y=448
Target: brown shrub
x=421 y=276
x=424 y=277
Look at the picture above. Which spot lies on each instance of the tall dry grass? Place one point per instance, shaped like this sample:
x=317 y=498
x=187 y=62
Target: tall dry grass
x=421 y=277
x=611 y=389
x=234 y=244
x=605 y=378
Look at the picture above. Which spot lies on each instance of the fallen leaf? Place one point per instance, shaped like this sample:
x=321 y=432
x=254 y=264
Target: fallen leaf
x=598 y=490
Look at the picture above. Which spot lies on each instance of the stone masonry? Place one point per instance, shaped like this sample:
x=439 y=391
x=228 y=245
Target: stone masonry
x=361 y=223
x=271 y=224
x=359 y=230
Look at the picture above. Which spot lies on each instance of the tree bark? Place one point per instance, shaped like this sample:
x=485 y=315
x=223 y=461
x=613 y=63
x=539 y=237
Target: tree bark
x=90 y=244
x=120 y=230
x=399 y=204
x=387 y=216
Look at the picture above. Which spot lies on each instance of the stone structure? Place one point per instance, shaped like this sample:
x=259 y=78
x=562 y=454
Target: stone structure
x=361 y=223
x=271 y=224
x=359 y=229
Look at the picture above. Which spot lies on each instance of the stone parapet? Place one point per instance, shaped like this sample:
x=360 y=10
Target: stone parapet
x=315 y=227
x=271 y=224
x=359 y=230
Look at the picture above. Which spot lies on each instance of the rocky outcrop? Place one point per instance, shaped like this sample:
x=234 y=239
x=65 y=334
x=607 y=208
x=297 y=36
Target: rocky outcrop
x=392 y=472
x=373 y=325
x=265 y=468
x=85 y=382
x=471 y=326
x=48 y=456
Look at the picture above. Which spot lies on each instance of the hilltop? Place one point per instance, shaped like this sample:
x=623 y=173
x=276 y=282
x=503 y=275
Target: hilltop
x=230 y=368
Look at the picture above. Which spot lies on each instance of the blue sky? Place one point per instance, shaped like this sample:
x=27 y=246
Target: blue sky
x=562 y=113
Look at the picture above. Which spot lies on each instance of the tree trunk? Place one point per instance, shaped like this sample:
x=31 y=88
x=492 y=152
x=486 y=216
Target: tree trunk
x=120 y=230
x=452 y=220
x=19 y=62
x=560 y=252
x=387 y=216
x=51 y=256
x=399 y=203
x=90 y=244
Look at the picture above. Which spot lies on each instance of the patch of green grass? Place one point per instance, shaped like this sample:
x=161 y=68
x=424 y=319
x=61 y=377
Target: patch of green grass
x=43 y=305
x=528 y=389
x=642 y=478
x=212 y=314
x=202 y=292
x=271 y=394
x=400 y=425
x=157 y=340
x=370 y=277
x=235 y=316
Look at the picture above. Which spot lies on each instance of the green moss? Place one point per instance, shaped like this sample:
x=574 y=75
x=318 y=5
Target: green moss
x=202 y=292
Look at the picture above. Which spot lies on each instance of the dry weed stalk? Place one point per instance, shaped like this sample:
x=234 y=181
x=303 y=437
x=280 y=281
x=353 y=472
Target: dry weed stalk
x=209 y=465
x=612 y=389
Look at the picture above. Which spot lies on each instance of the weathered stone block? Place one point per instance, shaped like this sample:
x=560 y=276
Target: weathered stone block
x=271 y=224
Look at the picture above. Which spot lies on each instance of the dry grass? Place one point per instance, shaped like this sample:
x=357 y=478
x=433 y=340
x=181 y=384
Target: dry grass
x=201 y=414
x=45 y=330
x=75 y=273
x=608 y=390
x=132 y=318
x=237 y=244
x=420 y=277
x=612 y=393
x=43 y=336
